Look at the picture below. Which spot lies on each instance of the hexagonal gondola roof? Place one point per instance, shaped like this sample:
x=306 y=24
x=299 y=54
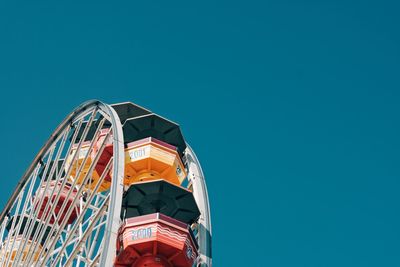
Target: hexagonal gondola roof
x=153 y=125
x=160 y=196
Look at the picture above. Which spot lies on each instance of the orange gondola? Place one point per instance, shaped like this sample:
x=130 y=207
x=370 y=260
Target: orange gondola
x=151 y=159
x=9 y=247
x=98 y=169
x=145 y=160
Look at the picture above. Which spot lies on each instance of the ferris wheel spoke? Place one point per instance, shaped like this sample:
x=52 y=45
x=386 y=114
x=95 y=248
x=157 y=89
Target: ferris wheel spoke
x=61 y=138
x=28 y=200
x=62 y=217
x=66 y=209
x=7 y=243
x=34 y=212
x=95 y=240
x=68 y=212
x=91 y=196
x=58 y=249
x=95 y=260
x=81 y=238
x=27 y=197
x=87 y=233
x=2 y=231
x=39 y=233
x=11 y=231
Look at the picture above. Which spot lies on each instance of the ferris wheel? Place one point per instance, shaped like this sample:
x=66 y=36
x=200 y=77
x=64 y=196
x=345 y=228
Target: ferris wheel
x=114 y=185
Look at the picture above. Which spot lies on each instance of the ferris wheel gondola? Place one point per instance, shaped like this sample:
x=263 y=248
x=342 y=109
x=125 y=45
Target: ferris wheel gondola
x=68 y=208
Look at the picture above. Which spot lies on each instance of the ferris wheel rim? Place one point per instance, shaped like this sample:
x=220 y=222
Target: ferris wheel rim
x=38 y=156
x=197 y=177
x=106 y=257
x=113 y=210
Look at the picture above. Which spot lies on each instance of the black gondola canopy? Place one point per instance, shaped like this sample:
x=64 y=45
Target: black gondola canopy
x=37 y=226
x=155 y=126
x=160 y=196
x=129 y=110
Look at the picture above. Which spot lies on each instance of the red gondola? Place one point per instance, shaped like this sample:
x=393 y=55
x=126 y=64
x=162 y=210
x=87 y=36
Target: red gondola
x=155 y=240
x=49 y=196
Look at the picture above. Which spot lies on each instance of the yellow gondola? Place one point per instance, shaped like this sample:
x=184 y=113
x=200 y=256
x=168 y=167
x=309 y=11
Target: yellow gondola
x=145 y=160
x=150 y=159
x=77 y=163
x=15 y=244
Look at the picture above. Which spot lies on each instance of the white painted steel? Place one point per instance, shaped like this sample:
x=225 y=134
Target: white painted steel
x=91 y=239
x=197 y=179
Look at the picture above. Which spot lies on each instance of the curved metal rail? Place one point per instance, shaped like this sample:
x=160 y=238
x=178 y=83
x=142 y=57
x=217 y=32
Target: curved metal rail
x=196 y=177
x=90 y=240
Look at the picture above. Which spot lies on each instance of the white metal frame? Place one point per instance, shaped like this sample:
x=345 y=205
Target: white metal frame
x=91 y=239
x=204 y=230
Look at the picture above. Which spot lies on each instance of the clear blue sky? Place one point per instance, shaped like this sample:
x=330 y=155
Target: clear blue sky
x=292 y=107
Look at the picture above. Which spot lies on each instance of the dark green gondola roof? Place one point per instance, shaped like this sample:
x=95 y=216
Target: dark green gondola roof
x=160 y=196
x=153 y=125
x=37 y=225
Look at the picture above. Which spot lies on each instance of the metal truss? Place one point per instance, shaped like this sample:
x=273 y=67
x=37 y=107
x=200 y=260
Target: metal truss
x=202 y=229
x=36 y=230
x=35 y=226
